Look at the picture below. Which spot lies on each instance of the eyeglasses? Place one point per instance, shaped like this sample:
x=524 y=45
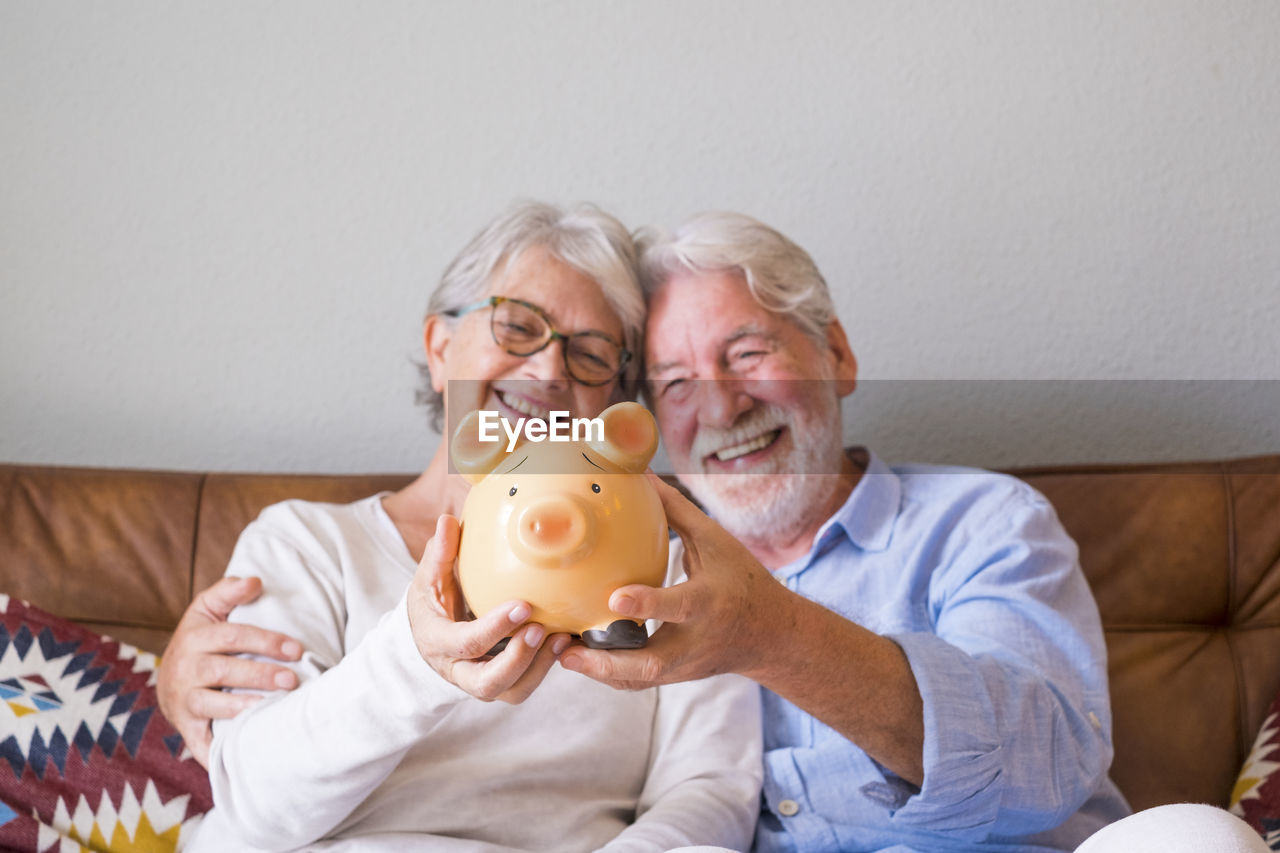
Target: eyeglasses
x=522 y=328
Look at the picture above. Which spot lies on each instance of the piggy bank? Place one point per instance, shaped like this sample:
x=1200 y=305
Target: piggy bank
x=561 y=524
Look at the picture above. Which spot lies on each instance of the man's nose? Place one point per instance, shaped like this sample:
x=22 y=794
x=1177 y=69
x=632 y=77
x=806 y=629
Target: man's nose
x=721 y=402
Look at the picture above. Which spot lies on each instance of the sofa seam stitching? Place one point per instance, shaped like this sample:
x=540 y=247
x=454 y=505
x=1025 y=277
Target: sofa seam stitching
x=1242 y=710
x=195 y=540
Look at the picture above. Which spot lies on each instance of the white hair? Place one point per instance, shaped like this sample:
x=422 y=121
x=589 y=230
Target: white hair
x=780 y=275
x=584 y=237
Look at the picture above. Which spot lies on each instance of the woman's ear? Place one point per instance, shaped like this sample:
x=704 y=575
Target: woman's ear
x=436 y=335
x=844 y=362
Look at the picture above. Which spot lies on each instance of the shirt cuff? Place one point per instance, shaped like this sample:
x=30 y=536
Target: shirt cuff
x=962 y=748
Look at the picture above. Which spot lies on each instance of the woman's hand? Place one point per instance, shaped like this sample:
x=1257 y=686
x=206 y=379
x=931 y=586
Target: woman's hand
x=200 y=661
x=459 y=649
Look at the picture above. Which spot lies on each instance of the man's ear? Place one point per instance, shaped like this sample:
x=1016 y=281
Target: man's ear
x=436 y=335
x=843 y=360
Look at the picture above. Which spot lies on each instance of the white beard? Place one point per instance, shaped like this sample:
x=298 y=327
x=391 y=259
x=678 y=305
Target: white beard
x=780 y=498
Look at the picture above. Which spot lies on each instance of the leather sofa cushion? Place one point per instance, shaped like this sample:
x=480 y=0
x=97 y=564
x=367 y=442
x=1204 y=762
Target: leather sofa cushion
x=1184 y=561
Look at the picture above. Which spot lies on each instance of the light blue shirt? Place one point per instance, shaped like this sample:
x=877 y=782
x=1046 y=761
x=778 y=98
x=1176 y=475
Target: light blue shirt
x=972 y=575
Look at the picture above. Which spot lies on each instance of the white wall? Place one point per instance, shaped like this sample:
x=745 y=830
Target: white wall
x=219 y=222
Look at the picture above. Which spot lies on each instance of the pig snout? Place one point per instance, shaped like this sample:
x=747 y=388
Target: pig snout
x=551 y=531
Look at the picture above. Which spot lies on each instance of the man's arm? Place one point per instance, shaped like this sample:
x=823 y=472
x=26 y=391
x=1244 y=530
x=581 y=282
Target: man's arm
x=853 y=680
x=200 y=664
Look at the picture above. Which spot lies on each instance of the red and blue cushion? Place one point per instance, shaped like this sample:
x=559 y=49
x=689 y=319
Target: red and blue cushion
x=86 y=758
x=1256 y=797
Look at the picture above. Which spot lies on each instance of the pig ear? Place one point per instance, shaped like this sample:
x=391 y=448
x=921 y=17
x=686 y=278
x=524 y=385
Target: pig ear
x=474 y=458
x=630 y=436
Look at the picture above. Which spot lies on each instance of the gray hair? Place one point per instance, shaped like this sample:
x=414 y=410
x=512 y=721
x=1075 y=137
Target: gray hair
x=584 y=237
x=780 y=275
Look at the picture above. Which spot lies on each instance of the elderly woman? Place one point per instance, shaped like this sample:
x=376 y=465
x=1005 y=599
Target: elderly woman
x=393 y=740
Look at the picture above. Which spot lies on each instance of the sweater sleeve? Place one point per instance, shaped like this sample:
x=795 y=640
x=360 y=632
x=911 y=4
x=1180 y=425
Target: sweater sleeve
x=290 y=769
x=703 y=784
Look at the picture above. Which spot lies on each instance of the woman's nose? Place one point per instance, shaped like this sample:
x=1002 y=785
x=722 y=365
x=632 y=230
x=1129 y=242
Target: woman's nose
x=547 y=364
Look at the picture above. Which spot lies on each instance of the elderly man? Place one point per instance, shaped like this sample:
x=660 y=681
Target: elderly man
x=932 y=658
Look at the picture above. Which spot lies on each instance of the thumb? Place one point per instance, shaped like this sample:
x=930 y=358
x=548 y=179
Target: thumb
x=442 y=547
x=666 y=604
x=437 y=566
x=217 y=602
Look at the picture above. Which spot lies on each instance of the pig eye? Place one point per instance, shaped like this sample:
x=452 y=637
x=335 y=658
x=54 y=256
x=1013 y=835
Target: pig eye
x=512 y=493
x=595 y=487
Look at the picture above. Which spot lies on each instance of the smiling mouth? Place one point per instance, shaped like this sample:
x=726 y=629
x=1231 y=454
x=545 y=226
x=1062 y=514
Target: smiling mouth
x=521 y=405
x=760 y=442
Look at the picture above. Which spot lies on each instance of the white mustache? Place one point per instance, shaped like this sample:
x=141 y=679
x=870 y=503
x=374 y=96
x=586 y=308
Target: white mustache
x=752 y=424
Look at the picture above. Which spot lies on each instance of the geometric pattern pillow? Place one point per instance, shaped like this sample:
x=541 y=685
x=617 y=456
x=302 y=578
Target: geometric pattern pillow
x=87 y=761
x=1256 y=796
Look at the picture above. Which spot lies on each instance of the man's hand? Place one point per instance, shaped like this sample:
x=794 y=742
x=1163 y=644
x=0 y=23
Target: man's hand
x=717 y=621
x=199 y=661
x=459 y=649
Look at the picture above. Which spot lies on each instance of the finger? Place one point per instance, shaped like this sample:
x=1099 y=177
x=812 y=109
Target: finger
x=682 y=514
x=208 y=705
x=198 y=739
x=219 y=600
x=472 y=640
x=240 y=673
x=200 y=750
x=232 y=638
x=627 y=668
x=438 y=562
x=637 y=601
x=490 y=679
x=442 y=547
x=533 y=676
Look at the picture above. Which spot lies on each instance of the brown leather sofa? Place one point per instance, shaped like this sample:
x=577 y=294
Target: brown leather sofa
x=1184 y=560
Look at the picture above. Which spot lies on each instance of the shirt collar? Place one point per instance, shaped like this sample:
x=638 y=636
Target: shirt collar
x=867 y=516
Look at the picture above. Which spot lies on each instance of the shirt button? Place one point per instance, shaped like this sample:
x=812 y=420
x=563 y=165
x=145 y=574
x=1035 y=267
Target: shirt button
x=788 y=808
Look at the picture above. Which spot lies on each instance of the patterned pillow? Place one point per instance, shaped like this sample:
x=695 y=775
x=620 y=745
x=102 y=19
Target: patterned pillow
x=86 y=758
x=1256 y=796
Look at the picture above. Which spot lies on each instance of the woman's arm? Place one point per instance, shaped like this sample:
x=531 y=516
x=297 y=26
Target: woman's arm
x=292 y=768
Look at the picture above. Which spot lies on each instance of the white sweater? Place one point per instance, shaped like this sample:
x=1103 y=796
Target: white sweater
x=375 y=751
